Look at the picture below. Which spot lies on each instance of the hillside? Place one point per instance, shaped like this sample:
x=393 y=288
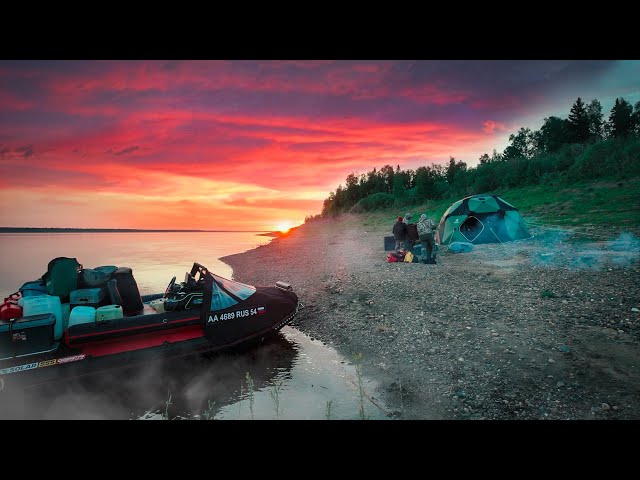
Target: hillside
x=589 y=205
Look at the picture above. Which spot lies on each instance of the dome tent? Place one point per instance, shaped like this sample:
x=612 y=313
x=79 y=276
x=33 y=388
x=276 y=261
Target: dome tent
x=481 y=219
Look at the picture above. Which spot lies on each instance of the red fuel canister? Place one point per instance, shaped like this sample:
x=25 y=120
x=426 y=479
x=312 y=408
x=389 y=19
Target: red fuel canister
x=10 y=310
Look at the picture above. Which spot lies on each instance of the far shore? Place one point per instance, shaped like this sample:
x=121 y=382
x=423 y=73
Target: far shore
x=115 y=230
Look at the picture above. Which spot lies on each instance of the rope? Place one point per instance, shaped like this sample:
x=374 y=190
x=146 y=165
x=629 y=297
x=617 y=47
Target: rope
x=494 y=234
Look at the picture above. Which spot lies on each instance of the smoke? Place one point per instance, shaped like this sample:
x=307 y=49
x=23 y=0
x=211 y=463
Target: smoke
x=625 y=242
x=192 y=383
x=557 y=248
x=549 y=248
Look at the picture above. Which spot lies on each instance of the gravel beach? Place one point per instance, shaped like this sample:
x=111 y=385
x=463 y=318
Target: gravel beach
x=546 y=328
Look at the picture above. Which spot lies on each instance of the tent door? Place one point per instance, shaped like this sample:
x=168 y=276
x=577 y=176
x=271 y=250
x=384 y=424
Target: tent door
x=471 y=229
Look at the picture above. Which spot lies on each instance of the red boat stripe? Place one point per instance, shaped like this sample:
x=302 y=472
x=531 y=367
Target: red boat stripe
x=141 y=341
x=129 y=328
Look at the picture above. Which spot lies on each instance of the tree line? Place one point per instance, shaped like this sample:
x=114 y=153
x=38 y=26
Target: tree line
x=582 y=146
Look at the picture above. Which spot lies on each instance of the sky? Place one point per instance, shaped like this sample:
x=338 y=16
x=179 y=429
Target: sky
x=256 y=145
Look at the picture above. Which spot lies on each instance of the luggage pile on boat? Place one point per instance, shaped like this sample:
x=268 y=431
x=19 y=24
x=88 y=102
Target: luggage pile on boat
x=66 y=295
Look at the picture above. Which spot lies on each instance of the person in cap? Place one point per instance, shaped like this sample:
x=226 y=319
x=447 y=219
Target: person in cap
x=400 y=233
x=426 y=228
x=412 y=232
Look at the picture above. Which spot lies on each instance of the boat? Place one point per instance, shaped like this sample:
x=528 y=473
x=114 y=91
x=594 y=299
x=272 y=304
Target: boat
x=204 y=313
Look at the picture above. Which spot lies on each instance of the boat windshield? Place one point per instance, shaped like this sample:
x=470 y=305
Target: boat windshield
x=240 y=290
x=225 y=293
x=220 y=298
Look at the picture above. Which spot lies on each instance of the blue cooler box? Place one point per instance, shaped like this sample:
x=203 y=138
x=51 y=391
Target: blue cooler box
x=87 y=297
x=27 y=336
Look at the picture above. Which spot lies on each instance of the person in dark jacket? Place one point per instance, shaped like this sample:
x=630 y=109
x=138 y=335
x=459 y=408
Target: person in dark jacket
x=400 y=233
x=426 y=227
x=412 y=233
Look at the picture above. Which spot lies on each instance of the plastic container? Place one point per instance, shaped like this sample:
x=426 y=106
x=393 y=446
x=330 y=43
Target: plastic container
x=9 y=310
x=29 y=335
x=45 y=304
x=90 y=297
x=81 y=315
x=6 y=342
x=108 y=312
x=158 y=305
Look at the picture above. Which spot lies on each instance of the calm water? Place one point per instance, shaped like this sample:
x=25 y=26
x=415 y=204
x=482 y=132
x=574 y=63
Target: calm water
x=292 y=376
x=155 y=257
x=300 y=374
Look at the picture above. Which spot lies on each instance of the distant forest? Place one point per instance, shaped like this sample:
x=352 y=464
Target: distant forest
x=581 y=147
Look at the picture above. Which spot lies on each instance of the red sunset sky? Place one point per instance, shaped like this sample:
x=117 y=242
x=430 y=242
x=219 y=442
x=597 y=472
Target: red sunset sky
x=249 y=145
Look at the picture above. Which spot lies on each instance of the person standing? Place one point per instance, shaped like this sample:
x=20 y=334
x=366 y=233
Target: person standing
x=412 y=233
x=426 y=227
x=400 y=233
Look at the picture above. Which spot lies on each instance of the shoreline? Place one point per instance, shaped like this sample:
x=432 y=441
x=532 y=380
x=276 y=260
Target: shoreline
x=507 y=331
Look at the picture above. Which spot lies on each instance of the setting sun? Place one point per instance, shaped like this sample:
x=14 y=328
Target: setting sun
x=283 y=227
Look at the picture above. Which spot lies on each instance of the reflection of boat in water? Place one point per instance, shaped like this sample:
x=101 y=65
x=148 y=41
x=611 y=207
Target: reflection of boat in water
x=184 y=386
x=202 y=314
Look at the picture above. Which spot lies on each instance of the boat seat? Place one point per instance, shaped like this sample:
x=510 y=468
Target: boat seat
x=189 y=281
x=191 y=284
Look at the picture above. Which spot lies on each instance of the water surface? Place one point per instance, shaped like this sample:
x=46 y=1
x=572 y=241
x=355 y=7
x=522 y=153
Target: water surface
x=288 y=376
x=155 y=257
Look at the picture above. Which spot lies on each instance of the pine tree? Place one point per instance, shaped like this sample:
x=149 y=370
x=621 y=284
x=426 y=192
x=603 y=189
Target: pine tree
x=594 y=112
x=579 y=122
x=621 y=120
x=553 y=134
x=636 y=119
x=522 y=144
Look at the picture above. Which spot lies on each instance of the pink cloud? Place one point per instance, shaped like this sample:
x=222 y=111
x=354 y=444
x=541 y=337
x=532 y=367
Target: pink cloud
x=435 y=95
x=489 y=126
x=12 y=102
x=157 y=141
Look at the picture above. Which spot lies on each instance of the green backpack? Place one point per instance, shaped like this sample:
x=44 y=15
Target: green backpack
x=62 y=277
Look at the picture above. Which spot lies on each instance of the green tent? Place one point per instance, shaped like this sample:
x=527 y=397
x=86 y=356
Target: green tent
x=481 y=219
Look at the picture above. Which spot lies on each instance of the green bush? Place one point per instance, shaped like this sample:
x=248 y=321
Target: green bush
x=376 y=201
x=486 y=182
x=611 y=157
x=631 y=157
x=516 y=172
x=553 y=178
x=540 y=166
